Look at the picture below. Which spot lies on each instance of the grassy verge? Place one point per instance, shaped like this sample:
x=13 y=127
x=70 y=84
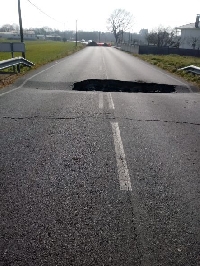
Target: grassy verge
x=40 y=53
x=172 y=63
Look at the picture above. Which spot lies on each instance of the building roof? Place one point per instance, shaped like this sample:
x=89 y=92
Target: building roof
x=18 y=32
x=188 y=26
x=29 y=32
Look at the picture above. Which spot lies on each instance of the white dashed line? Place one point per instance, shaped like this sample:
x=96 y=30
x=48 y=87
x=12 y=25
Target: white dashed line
x=110 y=101
x=124 y=178
x=100 y=100
x=104 y=64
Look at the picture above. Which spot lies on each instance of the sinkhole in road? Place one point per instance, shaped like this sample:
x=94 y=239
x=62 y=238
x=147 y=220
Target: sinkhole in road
x=109 y=85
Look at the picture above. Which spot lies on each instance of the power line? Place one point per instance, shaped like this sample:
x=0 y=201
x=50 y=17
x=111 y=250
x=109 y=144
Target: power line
x=43 y=12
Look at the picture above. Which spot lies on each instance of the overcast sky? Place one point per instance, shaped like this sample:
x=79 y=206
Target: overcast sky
x=92 y=15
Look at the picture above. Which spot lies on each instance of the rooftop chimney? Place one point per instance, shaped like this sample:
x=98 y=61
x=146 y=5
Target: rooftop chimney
x=197 y=21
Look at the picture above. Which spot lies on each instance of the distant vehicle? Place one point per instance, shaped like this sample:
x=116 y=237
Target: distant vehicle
x=104 y=44
x=93 y=43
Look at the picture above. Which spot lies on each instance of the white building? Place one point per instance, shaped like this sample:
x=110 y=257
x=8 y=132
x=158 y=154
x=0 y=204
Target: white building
x=143 y=36
x=12 y=35
x=40 y=37
x=190 y=35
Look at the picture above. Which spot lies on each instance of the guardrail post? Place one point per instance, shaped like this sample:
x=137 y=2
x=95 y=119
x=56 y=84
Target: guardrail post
x=12 y=53
x=18 y=68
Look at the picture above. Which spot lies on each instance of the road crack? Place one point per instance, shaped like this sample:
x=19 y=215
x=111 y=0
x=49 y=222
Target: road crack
x=100 y=116
x=163 y=121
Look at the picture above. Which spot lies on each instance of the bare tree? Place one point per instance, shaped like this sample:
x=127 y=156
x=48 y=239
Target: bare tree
x=194 y=41
x=119 y=22
x=15 y=26
x=162 y=37
x=151 y=38
x=6 y=28
x=191 y=42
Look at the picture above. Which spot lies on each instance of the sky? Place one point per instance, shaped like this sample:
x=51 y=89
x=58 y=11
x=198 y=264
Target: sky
x=92 y=15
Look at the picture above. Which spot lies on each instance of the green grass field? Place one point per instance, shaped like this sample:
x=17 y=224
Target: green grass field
x=172 y=63
x=42 y=52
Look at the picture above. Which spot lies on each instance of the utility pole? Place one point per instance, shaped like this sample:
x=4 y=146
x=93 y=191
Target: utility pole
x=20 y=25
x=76 y=32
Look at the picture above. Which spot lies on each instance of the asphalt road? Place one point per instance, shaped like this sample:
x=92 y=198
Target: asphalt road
x=98 y=178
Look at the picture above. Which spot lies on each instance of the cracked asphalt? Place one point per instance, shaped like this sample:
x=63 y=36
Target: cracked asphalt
x=62 y=167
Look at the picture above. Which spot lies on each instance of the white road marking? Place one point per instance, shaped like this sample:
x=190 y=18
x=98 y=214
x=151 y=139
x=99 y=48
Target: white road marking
x=19 y=87
x=124 y=178
x=100 y=100
x=110 y=101
x=104 y=64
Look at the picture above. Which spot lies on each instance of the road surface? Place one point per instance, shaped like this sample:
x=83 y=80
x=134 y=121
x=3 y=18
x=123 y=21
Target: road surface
x=99 y=178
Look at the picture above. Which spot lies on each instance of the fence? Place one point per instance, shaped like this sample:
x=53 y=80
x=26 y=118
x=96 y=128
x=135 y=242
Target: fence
x=145 y=49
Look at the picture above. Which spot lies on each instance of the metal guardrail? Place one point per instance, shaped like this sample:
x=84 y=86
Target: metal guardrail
x=193 y=69
x=15 y=62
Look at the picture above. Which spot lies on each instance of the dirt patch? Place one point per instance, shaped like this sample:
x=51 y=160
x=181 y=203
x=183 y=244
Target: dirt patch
x=7 y=79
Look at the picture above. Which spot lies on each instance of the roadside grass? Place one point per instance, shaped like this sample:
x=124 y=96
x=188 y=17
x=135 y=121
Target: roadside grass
x=40 y=53
x=172 y=63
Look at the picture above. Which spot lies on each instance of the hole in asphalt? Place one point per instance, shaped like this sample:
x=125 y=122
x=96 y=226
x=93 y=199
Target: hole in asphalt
x=109 y=85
